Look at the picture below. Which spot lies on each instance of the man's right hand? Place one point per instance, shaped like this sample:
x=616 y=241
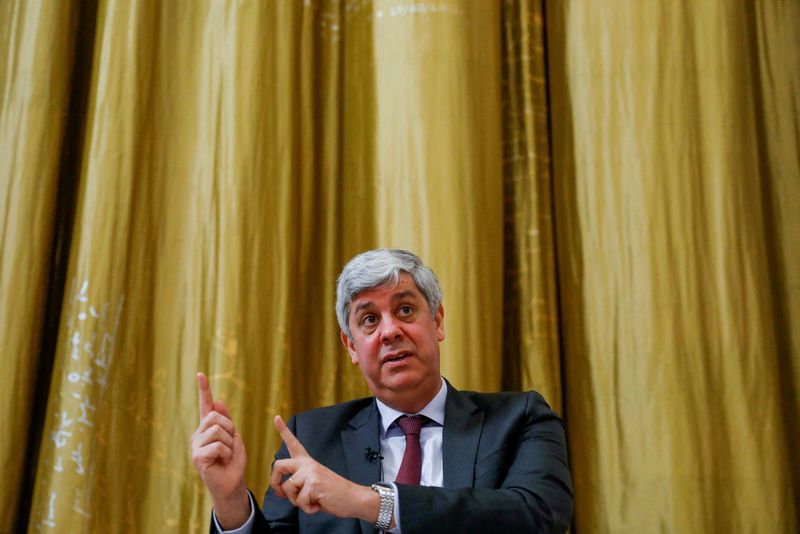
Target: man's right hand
x=219 y=456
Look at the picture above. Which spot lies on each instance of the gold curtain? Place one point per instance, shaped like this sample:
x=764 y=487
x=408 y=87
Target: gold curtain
x=531 y=358
x=204 y=241
x=676 y=173
x=227 y=157
x=36 y=47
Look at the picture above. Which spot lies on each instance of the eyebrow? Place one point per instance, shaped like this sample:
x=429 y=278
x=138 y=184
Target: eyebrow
x=403 y=295
x=407 y=293
x=362 y=306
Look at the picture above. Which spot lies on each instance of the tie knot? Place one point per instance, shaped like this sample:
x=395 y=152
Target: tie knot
x=411 y=424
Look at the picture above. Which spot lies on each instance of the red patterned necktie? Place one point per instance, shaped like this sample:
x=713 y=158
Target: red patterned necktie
x=411 y=466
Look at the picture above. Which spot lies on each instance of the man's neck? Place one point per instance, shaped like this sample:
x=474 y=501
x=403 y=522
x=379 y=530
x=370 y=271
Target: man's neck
x=415 y=406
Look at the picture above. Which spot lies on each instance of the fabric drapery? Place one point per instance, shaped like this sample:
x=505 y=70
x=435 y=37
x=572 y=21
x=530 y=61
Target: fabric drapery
x=36 y=47
x=531 y=348
x=679 y=372
x=608 y=192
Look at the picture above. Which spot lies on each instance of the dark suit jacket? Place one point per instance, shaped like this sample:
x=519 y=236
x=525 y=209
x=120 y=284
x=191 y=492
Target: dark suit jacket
x=505 y=467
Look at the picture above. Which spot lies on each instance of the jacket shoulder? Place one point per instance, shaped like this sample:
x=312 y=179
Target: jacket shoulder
x=332 y=418
x=528 y=402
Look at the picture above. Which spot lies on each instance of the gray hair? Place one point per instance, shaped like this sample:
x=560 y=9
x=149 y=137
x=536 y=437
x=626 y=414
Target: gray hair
x=383 y=267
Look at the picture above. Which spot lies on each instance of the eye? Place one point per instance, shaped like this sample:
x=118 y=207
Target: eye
x=368 y=320
x=405 y=310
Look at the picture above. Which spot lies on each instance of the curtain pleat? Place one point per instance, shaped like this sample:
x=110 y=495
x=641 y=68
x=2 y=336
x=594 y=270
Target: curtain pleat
x=530 y=308
x=677 y=417
x=36 y=47
x=436 y=178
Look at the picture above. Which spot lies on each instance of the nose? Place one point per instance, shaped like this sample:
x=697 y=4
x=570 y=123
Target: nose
x=390 y=330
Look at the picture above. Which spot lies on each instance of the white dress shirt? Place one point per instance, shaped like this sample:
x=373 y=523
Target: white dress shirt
x=393 y=445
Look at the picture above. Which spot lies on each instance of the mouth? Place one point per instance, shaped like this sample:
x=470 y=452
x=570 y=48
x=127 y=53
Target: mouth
x=396 y=358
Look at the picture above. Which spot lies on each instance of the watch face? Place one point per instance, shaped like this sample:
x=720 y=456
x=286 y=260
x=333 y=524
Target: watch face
x=383 y=488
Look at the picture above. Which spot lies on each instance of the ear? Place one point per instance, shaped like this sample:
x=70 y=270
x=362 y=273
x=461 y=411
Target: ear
x=350 y=346
x=438 y=318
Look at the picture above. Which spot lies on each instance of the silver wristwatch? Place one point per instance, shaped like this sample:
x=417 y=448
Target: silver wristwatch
x=386 y=493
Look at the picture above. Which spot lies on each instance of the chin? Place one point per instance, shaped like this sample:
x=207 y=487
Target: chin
x=406 y=383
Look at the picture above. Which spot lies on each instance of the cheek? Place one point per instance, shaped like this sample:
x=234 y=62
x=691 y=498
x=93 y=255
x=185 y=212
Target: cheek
x=365 y=351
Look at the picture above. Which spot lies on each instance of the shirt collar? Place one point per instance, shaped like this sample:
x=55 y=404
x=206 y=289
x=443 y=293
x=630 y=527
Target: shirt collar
x=434 y=410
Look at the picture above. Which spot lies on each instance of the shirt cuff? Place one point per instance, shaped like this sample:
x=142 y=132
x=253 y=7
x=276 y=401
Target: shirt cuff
x=396 y=529
x=247 y=528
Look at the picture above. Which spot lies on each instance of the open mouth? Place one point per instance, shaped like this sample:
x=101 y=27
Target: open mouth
x=397 y=358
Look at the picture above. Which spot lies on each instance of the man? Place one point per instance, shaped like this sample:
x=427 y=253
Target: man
x=420 y=456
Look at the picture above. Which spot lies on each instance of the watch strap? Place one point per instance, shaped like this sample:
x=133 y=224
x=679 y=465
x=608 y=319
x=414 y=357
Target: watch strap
x=386 y=493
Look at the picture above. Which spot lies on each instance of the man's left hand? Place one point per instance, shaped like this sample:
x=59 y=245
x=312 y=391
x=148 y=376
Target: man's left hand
x=312 y=487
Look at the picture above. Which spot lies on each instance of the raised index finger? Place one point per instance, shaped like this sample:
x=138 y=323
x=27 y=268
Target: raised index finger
x=293 y=444
x=204 y=392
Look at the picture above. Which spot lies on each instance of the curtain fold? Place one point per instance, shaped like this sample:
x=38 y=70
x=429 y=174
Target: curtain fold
x=437 y=171
x=37 y=40
x=776 y=99
x=531 y=358
x=674 y=363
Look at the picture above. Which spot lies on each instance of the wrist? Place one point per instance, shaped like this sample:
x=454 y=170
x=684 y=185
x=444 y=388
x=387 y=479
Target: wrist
x=365 y=504
x=233 y=510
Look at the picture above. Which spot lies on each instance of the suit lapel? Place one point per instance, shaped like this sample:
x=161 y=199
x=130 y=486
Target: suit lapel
x=362 y=433
x=463 y=422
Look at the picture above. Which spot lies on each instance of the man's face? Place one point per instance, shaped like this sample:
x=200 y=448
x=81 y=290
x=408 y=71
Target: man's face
x=396 y=344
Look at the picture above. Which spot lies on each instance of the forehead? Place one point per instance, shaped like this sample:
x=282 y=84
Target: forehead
x=405 y=287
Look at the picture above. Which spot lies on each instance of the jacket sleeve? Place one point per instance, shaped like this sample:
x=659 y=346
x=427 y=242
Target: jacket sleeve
x=278 y=515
